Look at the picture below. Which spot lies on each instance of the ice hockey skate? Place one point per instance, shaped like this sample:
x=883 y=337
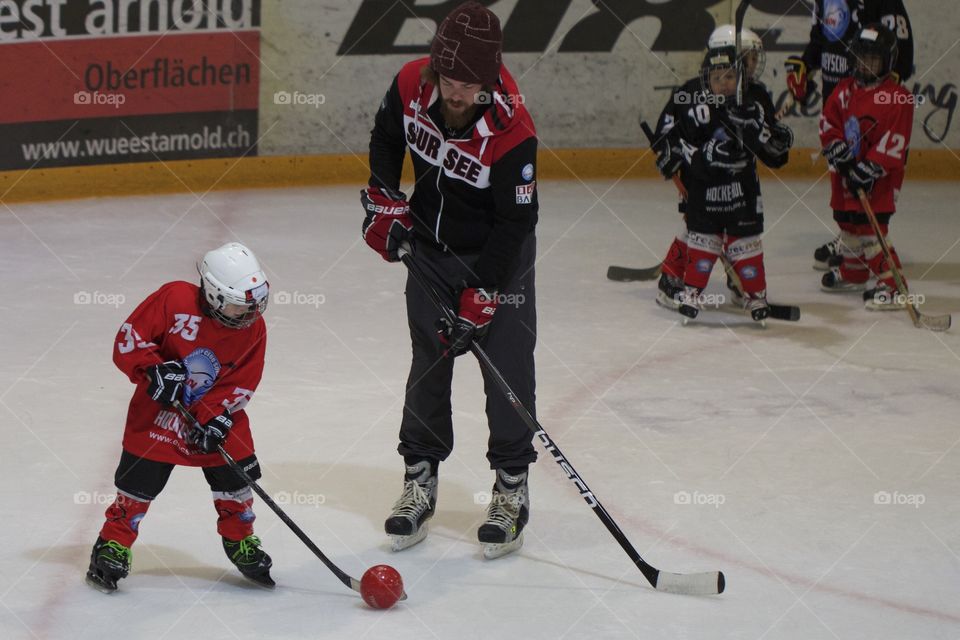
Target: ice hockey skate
x=407 y=524
x=252 y=561
x=689 y=304
x=507 y=515
x=832 y=282
x=670 y=291
x=758 y=308
x=883 y=298
x=109 y=562
x=827 y=256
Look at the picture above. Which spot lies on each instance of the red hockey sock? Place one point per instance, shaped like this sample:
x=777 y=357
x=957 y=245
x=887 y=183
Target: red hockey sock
x=676 y=261
x=123 y=519
x=702 y=253
x=235 y=513
x=881 y=268
x=746 y=256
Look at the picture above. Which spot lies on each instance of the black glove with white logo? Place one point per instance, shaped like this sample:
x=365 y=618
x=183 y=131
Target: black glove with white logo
x=210 y=436
x=166 y=381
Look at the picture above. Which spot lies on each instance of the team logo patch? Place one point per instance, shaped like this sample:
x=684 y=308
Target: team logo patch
x=836 y=19
x=204 y=367
x=748 y=273
x=704 y=265
x=851 y=131
x=525 y=193
x=247 y=515
x=527 y=172
x=135 y=521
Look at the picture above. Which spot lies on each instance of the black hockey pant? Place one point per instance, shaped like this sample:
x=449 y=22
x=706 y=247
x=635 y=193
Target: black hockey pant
x=427 y=427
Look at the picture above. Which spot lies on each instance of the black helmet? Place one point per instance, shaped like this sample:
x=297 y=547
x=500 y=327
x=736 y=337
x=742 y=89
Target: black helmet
x=874 y=42
x=722 y=57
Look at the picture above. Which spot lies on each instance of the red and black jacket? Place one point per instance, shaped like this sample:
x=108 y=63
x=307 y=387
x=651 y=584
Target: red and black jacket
x=475 y=191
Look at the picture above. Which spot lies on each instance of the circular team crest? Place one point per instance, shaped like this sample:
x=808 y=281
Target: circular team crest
x=204 y=367
x=527 y=172
x=836 y=19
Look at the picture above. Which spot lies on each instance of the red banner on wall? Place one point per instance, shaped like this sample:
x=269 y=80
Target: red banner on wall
x=90 y=98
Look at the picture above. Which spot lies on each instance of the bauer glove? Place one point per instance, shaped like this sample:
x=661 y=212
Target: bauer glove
x=166 y=381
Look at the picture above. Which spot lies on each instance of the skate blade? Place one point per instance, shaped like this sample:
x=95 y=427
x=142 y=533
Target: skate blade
x=492 y=551
x=399 y=543
x=667 y=303
x=99 y=586
x=267 y=584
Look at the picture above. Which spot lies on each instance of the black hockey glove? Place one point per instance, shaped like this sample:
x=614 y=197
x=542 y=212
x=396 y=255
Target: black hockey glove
x=166 y=381
x=725 y=155
x=838 y=154
x=746 y=116
x=669 y=157
x=864 y=175
x=210 y=436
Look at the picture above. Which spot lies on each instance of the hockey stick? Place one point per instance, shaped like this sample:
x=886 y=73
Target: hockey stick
x=629 y=274
x=347 y=580
x=708 y=583
x=738 y=35
x=933 y=323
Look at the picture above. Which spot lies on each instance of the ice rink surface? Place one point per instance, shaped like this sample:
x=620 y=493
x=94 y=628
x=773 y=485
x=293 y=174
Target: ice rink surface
x=815 y=463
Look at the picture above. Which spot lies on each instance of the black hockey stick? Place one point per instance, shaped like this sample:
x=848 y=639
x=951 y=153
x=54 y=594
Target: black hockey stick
x=933 y=323
x=738 y=35
x=708 y=583
x=628 y=274
x=347 y=580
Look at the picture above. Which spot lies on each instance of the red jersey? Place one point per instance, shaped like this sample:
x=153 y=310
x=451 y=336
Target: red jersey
x=225 y=366
x=876 y=122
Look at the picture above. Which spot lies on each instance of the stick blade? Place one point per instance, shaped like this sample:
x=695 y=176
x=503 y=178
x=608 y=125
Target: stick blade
x=935 y=323
x=709 y=583
x=628 y=274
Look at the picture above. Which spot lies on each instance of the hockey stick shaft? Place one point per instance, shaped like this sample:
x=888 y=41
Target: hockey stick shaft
x=919 y=320
x=707 y=583
x=346 y=579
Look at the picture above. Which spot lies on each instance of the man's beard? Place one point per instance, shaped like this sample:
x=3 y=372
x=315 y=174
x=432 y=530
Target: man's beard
x=457 y=120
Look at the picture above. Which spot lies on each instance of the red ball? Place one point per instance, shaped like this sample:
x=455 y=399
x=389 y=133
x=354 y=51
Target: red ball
x=381 y=586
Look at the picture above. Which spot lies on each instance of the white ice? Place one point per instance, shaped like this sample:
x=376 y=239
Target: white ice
x=781 y=437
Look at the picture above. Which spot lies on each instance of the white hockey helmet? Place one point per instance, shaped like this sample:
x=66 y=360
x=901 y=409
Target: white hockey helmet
x=233 y=285
x=751 y=45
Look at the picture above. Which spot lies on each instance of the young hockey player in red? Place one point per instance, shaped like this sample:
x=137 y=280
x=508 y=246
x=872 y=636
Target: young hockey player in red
x=865 y=132
x=713 y=143
x=835 y=23
x=203 y=346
